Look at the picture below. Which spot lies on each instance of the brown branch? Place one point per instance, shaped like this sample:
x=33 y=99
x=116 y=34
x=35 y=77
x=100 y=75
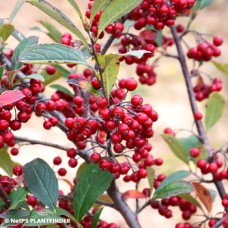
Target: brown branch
x=121 y=206
x=35 y=141
x=199 y=125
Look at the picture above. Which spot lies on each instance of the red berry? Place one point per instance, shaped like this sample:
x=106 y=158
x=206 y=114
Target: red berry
x=95 y=157
x=136 y=100
x=57 y=160
x=50 y=70
x=131 y=84
x=217 y=40
x=194 y=152
x=72 y=162
x=198 y=115
x=62 y=172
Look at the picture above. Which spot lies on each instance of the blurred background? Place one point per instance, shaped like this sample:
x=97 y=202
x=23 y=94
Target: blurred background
x=168 y=97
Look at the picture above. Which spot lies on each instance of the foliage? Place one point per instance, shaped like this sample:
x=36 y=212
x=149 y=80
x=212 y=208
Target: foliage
x=109 y=127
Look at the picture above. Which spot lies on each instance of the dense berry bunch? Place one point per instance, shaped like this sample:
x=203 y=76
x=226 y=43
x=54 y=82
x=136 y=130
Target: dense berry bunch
x=202 y=90
x=159 y=13
x=205 y=50
x=163 y=207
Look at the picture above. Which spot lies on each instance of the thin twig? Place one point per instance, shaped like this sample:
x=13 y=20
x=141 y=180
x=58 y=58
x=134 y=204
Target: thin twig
x=35 y=141
x=199 y=125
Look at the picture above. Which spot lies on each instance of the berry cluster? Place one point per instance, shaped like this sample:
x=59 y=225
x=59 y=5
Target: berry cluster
x=187 y=208
x=206 y=50
x=159 y=13
x=23 y=112
x=213 y=167
x=116 y=29
x=202 y=90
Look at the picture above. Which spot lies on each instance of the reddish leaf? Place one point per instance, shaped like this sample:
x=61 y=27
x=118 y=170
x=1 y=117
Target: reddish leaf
x=133 y=194
x=10 y=96
x=148 y=35
x=204 y=195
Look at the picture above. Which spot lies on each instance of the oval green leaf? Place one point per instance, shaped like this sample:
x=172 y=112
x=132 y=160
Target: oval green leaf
x=110 y=65
x=53 y=32
x=97 y=6
x=20 y=47
x=91 y=184
x=17 y=198
x=173 y=189
x=5 y=31
x=57 y=15
x=5 y=162
x=62 y=89
x=174 y=177
x=41 y=181
x=51 y=54
x=115 y=10
x=223 y=67
x=76 y=8
x=16 y=10
x=214 y=109
x=96 y=217
x=177 y=147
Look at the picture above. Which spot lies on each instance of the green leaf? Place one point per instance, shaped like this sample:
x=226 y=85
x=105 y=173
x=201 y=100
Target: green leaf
x=21 y=47
x=96 y=217
x=15 y=10
x=51 y=78
x=159 y=38
x=6 y=163
x=176 y=146
x=81 y=169
x=76 y=8
x=97 y=6
x=16 y=214
x=43 y=217
x=110 y=65
x=205 y=3
x=190 y=199
x=17 y=198
x=150 y=178
x=60 y=212
x=5 y=31
x=91 y=184
x=1 y=21
x=35 y=76
x=200 y=4
x=2 y=203
x=2 y=68
x=40 y=179
x=57 y=15
x=174 y=177
x=190 y=142
x=51 y=54
x=223 y=67
x=62 y=70
x=62 y=89
x=214 y=109
x=53 y=32
x=173 y=189
x=115 y=10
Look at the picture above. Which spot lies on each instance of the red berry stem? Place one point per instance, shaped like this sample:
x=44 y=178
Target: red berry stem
x=199 y=125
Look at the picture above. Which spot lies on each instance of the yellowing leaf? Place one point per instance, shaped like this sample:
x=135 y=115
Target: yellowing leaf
x=110 y=66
